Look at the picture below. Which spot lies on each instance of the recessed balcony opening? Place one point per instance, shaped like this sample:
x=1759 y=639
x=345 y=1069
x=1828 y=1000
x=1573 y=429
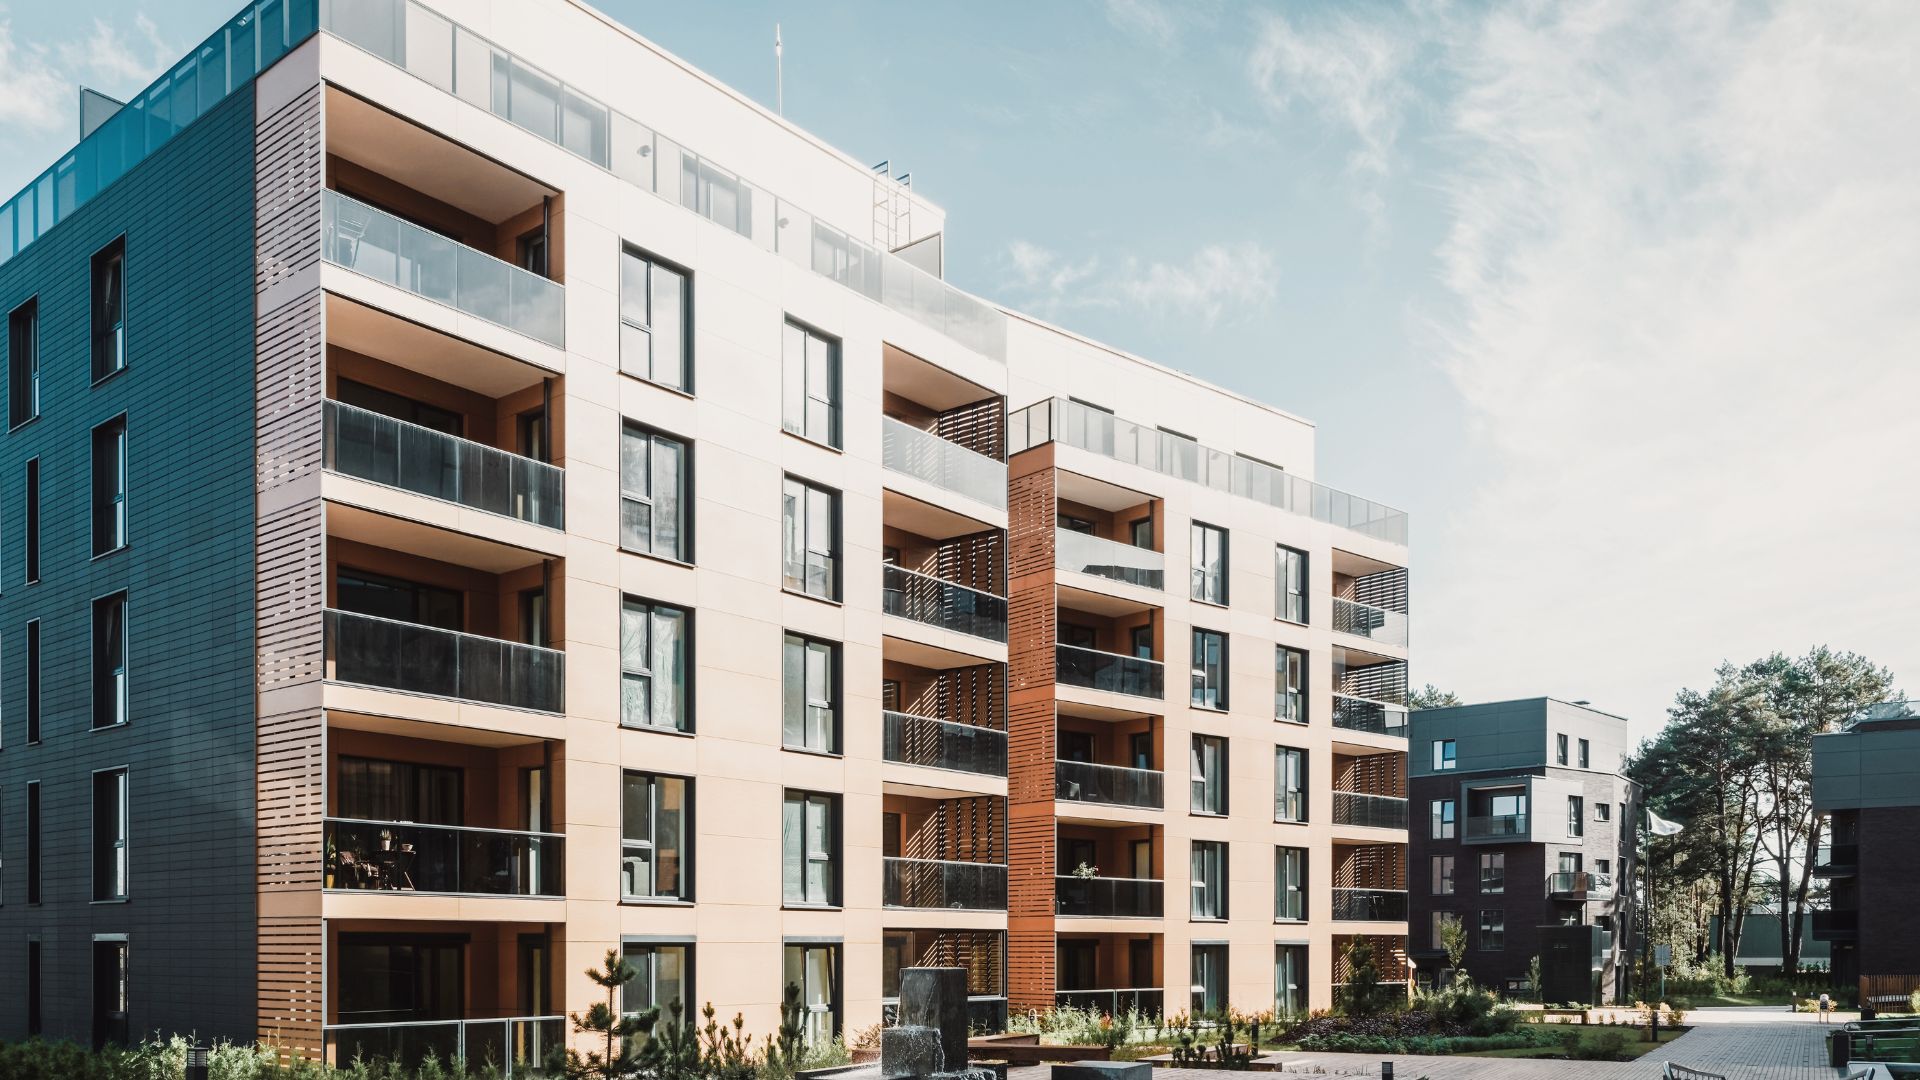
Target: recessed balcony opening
x=1369 y=692
x=409 y=207
x=981 y=952
x=951 y=583
x=944 y=853
x=943 y=430
x=952 y=719
x=412 y=811
x=1839 y=857
x=1110 y=973
x=1369 y=883
x=1370 y=790
x=1116 y=653
x=1109 y=761
x=1369 y=599
x=1111 y=871
x=1107 y=531
x=1497 y=812
x=1389 y=961
x=476 y=991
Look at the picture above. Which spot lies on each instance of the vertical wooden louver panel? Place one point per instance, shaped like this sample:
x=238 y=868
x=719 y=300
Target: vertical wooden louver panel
x=1030 y=731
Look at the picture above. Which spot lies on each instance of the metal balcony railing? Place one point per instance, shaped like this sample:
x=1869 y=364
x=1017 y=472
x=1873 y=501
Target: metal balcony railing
x=1837 y=861
x=938 y=744
x=1109 y=898
x=1146 y=1001
x=1110 y=785
x=385 y=248
x=910 y=451
x=371 y=651
x=1373 y=717
x=1836 y=925
x=1370 y=905
x=1367 y=621
x=1112 y=672
x=1369 y=811
x=1489 y=826
x=1579 y=885
x=923 y=598
x=939 y=883
x=1096 y=556
x=517 y=1045
x=369 y=446
x=393 y=856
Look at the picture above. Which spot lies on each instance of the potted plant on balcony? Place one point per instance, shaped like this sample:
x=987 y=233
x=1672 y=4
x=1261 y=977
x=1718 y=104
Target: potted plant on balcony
x=332 y=863
x=1085 y=871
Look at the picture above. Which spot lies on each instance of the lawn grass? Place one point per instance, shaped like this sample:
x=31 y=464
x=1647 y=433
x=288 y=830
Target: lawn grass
x=1588 y=1033
x=1747 y=1000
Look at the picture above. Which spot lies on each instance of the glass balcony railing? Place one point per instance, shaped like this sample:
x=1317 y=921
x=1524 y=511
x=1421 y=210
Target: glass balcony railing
x=1109 y=898
x=456 y=60
x=1581 y=885
x=1084 y=553
x=1370 y=905
x=1098 y=432
x=1372 y=623
x=937 y=744
x=1111 y=672
x=1369 y=811
x=1372 y=717
x=946 y=465
x=909 y=594
x=369 y=446
x=383 y=247
x=1145 y=1001
x=938 y=883
x=370 y=651
x=516 y=1046
x=392 y=856
x=1108 y=785
x=1495 y=826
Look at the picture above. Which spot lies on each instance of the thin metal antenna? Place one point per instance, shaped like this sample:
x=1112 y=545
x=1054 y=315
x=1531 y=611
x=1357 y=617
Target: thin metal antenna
x=779 y=75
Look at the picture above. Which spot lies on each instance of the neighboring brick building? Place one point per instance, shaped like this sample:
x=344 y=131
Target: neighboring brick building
x=1525 y=829
x=1866 y=787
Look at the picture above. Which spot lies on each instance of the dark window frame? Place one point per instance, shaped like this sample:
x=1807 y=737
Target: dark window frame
x=118 y=841
x=653 y=437
x=23 y=363
x=687 y=838
x=653 y=262
x=836 y=702
x=108 y=339
x=117 y=681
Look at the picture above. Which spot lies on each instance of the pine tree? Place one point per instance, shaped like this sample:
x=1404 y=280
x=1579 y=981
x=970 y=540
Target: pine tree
x=617 y=1060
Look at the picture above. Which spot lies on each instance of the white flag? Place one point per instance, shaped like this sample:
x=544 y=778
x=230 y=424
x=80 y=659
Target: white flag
x=1660 y=826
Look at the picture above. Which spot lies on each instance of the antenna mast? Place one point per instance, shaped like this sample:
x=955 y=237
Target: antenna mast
x=779 y=75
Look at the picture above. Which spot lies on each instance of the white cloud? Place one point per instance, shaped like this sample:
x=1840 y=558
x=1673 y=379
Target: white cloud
x=39 y=82
x=32 y=93
x=1215 y=282
x=1148 y=19
x=1350 y=70
x=105 y=55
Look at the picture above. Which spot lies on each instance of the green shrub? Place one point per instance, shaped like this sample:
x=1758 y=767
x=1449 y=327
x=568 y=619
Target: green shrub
x=1523 y=1038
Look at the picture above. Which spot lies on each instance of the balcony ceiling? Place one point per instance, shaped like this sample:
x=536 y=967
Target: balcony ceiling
x=427 y=541
x=1100 y=603
x=1085 y=711
x=1346 y=562
x=379 y=141
x=925 y=519
x=420 y=729
x=928 y=385
x=924 y=654
x=1073 y=487
x=409 y=345
x=1352 y=656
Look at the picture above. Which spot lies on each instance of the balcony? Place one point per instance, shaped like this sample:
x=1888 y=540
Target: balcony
x=1370 y=905
x=1374 y=624
x=380 y=246
x=938 y=744
x=1108 y=785
x=1837 y=861
x=907 y=450
x=391 y=856
x=517 y=1046
x=1095 y=556
x=1113 y=673
x=1109 y=898
x=1497 y=827
x=1580 y=885
x=1836 y=925
x=1145 y=1001
x=1372 y=717
x=367 y=650
x=1369 y=811
x=923 y=598
x=937 y=883
x=379 y=449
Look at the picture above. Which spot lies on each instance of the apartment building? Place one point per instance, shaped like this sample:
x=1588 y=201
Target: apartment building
x=1865 y=797
x=519 y=535
x=1530 y=841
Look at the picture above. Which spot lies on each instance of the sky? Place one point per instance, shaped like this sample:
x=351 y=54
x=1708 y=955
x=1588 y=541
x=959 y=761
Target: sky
x=1619 y=299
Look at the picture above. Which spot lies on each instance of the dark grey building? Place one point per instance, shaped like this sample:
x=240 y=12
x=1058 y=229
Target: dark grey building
x=1866 y=790
x=1524 y=830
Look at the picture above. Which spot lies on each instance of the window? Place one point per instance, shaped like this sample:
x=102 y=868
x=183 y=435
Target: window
x=1560 y=749
x=1576 y=815
x=810 y=676
x=1289 y=980
x=23 y=363
x=655 y=492
x=33 y=986
x=110 y=660
x=109 y=990
x=110 y=487
x=1290 y=584
x=1441 y=819
x=815 y=969
x=1209 y=669
x=654 y=669
x=109 y=309
x=1602 y=811
x=810 y=539
x=32 y=515
x=1290 y=884
x=1442 y=875
x=1289 y=784
x=1209 y=879
x=33 y=841
x=1570 y=862
x=656 y=310
x=1585 y=755
x=810 y=384
x=809 y=846
x=1603 y=866
x=663 y=974
x=110 y=818
x=1209 y=779
x=655 y=831
x=33 y=681
x=1140 y=532
x=1436 y=927
x=1209 y=979
x=1493 y=931
x=1446 y=755
x=1290 y=685
x=1209 y=564
x=1493 y=872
